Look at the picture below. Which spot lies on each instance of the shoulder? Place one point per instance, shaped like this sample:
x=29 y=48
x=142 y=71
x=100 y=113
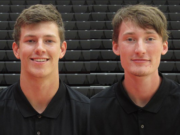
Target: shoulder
x=106 y=93
x=174 y=87
x=104 y=99
x=171 y=83
x=7 y=93
x=77 y=96
x=80 y=104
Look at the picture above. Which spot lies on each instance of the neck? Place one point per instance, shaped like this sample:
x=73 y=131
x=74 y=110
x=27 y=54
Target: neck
x=39 y=91
x=141 y=89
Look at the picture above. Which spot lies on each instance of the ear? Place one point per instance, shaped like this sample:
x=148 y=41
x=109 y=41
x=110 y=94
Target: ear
x=115 y=48
x=63 y=49
x=15 y=48
x=165 y=48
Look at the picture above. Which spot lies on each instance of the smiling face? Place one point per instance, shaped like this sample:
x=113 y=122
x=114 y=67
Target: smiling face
x=140 y=49
x=39 y=49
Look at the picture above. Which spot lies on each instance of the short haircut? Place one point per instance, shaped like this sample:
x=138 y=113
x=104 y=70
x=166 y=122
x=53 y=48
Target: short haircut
x=144 y=16
x=36 y=14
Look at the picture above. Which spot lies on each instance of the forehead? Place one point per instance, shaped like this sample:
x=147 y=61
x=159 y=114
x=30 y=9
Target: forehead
x=40 y=28
x=130 y=27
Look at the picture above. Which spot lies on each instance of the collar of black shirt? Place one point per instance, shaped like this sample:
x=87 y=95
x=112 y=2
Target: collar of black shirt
x=153 y=105
x=53 y=109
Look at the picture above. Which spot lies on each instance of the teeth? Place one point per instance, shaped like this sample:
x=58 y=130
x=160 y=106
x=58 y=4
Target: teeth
x=40 y=60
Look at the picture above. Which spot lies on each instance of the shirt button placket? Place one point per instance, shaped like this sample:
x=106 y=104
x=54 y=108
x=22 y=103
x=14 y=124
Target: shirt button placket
x=39 y=116
x=38 y=124
x=141 y=121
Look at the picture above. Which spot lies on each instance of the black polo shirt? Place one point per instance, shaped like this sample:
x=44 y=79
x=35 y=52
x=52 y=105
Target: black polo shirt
x=114 y=113
x=66 y=114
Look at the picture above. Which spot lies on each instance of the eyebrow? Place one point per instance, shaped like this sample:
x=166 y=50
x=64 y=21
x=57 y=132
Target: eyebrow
x=29 y=35
x=133 y=33
x=128 y=33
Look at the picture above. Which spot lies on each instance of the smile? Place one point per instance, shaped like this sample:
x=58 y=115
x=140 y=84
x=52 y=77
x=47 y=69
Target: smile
x=140 y=60
x=40 y=60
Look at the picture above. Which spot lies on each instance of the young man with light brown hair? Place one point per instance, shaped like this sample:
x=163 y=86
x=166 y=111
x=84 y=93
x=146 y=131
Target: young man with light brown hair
x=143 y=101
x=40 y=103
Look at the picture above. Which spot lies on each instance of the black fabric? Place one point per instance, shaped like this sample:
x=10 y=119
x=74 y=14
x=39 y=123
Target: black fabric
x=66 y=114
x=114 y=113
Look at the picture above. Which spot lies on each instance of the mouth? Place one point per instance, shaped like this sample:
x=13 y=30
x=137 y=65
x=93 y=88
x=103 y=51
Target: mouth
x=39 y=60
x=140 y=60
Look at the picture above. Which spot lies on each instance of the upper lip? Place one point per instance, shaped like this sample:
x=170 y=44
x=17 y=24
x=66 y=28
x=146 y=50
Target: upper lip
x=39 y=58
x=140 y=59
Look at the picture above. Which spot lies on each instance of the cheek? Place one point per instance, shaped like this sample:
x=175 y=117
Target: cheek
x=124 y=58
x=155 y=52
x=121 y=48
x=156 y=56
x=24 y=53
x=54 y=53
x=125 y=52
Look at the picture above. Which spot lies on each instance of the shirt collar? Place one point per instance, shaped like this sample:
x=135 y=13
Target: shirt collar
x=153 y=105
x=53 y=109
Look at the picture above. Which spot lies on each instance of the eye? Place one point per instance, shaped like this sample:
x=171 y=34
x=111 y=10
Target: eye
x=130 y=39
x=49 y=41
x=30 y=41
x=150 y=39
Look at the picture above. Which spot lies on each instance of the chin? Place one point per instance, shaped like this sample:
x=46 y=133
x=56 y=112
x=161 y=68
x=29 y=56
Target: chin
x=140 y=73
x=39 y=74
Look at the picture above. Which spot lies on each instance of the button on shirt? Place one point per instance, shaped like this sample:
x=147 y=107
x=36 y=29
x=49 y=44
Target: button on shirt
x=38 y=132
x=114 y=113
x=66 y=114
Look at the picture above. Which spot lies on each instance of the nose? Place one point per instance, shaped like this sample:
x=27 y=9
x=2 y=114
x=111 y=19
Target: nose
x=140 y=48
x=40 y=48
